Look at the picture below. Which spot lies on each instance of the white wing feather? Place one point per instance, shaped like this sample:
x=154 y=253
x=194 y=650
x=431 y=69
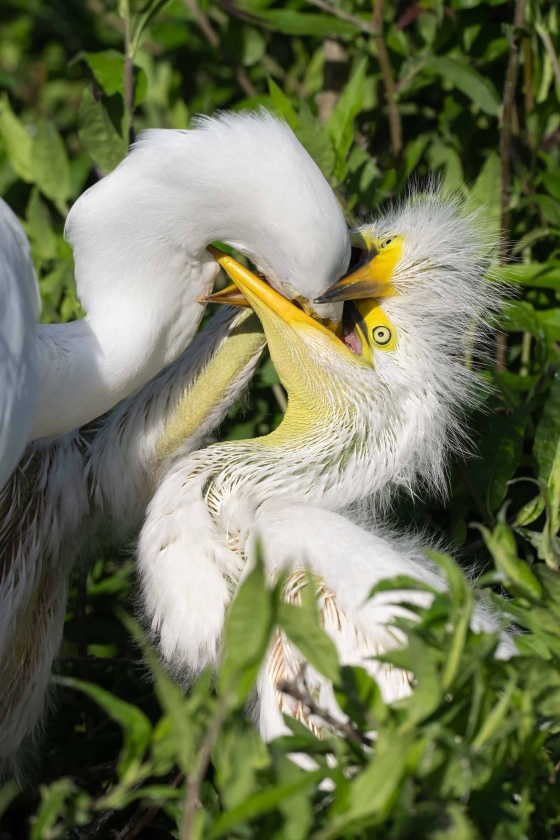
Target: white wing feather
x=19 y=308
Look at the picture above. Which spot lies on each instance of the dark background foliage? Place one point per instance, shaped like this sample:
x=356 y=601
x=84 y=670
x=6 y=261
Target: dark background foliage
x=467 y=89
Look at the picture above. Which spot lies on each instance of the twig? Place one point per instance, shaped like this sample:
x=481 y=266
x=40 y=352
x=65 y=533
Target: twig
x=344 y=728
x=395 y=125
x=143 y=816
x=215 y=41
x=203 y=759
x=375 y=29
x=508 y=104
x=334 y=77
x=364 y=25
x=128 y=73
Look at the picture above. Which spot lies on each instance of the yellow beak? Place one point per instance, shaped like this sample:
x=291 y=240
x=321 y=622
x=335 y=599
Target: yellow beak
x=230 y=295
x=262 y=297
x=370 y=278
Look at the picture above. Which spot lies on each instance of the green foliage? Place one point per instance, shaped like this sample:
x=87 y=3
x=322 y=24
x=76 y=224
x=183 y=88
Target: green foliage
x=474 y=751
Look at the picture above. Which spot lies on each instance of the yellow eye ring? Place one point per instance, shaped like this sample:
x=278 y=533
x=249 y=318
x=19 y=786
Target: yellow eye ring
x=382 y=335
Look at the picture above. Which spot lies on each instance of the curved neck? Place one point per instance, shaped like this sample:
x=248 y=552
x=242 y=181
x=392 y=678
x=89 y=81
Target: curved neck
x=86 y=367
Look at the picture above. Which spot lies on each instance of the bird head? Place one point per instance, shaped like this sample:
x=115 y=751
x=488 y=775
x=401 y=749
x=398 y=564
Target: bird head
x=415 y=299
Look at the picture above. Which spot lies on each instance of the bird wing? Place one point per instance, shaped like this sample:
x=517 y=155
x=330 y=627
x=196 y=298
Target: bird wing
x=20 y=305
x=345 y=562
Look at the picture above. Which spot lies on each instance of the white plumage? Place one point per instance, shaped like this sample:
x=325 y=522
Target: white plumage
x=139 y=239
x=354 y=430
x=20 y=305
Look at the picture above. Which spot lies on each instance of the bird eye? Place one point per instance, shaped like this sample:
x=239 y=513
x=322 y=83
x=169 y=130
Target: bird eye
x=382 y=335
x=386 y=242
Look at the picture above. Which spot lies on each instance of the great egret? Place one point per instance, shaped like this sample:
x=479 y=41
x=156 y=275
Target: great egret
x=140 y=239
x=377 y=408
x=19 y=306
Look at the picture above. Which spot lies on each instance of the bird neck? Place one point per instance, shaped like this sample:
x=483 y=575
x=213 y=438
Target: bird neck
x=331 y=450
x=221 y=378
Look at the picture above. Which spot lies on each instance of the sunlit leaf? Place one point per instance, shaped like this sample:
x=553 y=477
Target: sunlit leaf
x=17 y=141
x=102 y=139
x=479 y=89
x=51 y=167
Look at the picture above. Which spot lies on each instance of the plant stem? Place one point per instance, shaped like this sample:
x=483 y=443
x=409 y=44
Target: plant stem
x=342 y=15
x=195 y=779
x=395 y=125
x=508 y=104
x=215 y=41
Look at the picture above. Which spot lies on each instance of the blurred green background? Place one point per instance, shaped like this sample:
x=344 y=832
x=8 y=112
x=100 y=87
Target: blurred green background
x=378 y=94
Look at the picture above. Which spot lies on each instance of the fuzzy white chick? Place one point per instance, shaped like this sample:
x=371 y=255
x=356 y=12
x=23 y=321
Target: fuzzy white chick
x=375 y=408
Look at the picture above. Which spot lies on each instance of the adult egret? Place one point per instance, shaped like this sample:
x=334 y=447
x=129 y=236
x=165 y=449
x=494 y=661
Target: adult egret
x=376 y=408
x=19 y=306
x=139 y=238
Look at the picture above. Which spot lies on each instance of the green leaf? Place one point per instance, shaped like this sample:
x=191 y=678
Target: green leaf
x=529 y=512
x=8 y=793
x=98 y=133
x=108 y=69
x=142 y=19
x=546 y=448
x=485 y=194
x=301 y=626
x=171 y=697
x=492 y=724
x=53 y=805
x=549 y=207
x=44 y=242
x=462 y=608
x=51 y=167
x=465 y=78
x=17 y=141
x=501 y=544
x=377 y=787
x=535 y=275
x=265 y=801
x=136 y=727
x=340 y=124
x=247 y=633
x=499 y=454
x=282 y=105
x=291 y=22
x=315 y=139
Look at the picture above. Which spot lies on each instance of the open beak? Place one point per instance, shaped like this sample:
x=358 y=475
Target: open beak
x=369 y=278
x=261 y=296
x=230 y=295
x=233 y=296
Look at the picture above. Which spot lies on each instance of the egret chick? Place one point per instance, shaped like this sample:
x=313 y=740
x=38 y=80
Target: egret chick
x=377 y=408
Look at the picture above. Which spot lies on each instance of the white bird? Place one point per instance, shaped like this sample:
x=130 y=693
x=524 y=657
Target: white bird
x=377 y=408
x=139 y=239
x=20 y=305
